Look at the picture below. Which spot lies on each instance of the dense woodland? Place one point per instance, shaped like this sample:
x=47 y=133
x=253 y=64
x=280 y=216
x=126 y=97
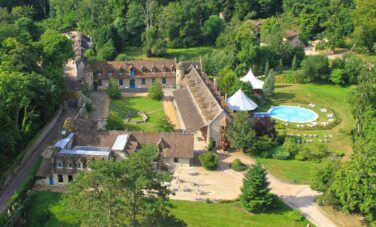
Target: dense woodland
x=33 y=54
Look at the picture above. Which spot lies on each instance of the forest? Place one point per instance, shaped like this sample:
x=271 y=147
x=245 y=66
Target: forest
x=33 y=52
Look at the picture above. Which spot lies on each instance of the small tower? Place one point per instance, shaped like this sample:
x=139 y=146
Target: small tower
x=180 y=72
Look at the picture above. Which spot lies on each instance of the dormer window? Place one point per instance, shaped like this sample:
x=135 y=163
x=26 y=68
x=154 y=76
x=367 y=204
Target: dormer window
x=173 y=69
x=109 y=71
x=59 y=164
x=164 y=68
x=70 y=165
x=80 y=165
x=99 y=73
x=143 y=69
x=121 y=71
x=132 y=72
x=153 y=68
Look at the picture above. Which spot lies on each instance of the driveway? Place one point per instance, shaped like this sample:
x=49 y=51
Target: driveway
x=225 y=184
x=101 y=104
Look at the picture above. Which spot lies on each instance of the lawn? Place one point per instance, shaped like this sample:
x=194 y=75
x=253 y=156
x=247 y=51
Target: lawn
x=44 y=210
x=330 y=96
x=294 y=171
x=181 y=54
x=153 y=108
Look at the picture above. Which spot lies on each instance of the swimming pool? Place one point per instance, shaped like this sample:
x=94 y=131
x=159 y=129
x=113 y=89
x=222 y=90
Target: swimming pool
x=294 y=114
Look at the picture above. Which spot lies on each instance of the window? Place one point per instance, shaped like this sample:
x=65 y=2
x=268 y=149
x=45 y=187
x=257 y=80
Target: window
x=121 y=71
x=70 y=178
x=173 y=68
x=60 y=178
x=79 y=165
x=143 y=81
x=109 y=71
x=176 y=160
x=153 y=69
x=153 y=80
x=59 y=165
x=143 y=69
x=99 y=73
x=164 y=81
x=99 y=83
x=70 y=165
x=133 y=72
x=121 y=82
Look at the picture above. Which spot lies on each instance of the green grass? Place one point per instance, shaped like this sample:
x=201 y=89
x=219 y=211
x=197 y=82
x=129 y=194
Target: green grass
x=330 y=96
x=181 y=54
x=230 y=214
x=293 y=171
x=153 y=108
x=45 y=210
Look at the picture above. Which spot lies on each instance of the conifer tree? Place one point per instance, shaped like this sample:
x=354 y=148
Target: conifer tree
x=256 y=196
x=294 y=64
x=267 y=68
x=269 y=84
x=280 y=66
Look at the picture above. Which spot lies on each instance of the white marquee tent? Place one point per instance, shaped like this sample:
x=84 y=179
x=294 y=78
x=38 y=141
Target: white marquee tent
x=251 y=78
x=240 y=102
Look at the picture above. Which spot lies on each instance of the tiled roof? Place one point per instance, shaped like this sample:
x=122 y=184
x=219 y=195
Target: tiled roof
x=191 y=116
x=122 y=69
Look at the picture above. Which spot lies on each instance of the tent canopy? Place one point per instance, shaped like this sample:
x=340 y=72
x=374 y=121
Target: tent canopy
x=240 y=102
x=251 y=78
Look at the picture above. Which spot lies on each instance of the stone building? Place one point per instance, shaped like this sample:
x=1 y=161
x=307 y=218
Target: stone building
x=200 y=105
x=131 y=74
x=62 y=161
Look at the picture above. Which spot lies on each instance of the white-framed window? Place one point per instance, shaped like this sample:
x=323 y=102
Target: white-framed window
x=70 y=165
x=99 y=83
x=59 y=164
x=164 y=81
x=79 y=165
x=121 y=82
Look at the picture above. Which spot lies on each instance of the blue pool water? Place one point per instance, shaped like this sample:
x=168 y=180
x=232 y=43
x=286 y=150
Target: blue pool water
x=290 y=113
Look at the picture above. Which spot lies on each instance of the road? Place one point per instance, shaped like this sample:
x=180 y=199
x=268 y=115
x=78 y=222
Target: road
x=298 y=196
x=19 y=175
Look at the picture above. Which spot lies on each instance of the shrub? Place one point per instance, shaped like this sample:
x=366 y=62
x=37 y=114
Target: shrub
x=156 y=91
x=290 y=146
x=294 y=77
x=237 y=165
x=281 y=154
x=295 y=215
x=263 y=144
x=210 y=145
x=265 y=126
x=123 y=57
x=209 y=160
x=115 y=122
x=113 y=89
x=164 y=125
x=337 y=76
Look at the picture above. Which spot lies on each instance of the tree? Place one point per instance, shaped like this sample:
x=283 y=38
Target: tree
x=227 y=80
x=337 y=77
x=294 y=64
x=256 y=196
x=365 y=23
x=265 y=126
x=153 y=43
x=113 y=89
x=129 y=192
x=212 y=28
x=68 y=124
x=240 y=133
x=280 y=66
x=107 y=51
x=156 y=91
x=268 y=88
x=316 y=67
x=215 y=61
x=164 y=125
x=267 y=68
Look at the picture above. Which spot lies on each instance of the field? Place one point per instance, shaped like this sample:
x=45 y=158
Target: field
x=153 y=108
x=44 y=210
x=181 y=54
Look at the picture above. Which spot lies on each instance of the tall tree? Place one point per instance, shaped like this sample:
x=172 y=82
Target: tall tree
x=121 y=193
x=365 y=23
x=268 y=88
x=240 y=133
x=256 y=196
